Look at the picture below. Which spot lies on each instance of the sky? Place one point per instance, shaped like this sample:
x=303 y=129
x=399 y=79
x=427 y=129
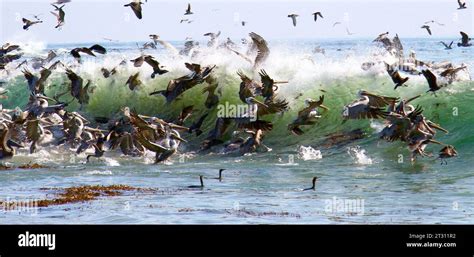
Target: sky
x=94 y=20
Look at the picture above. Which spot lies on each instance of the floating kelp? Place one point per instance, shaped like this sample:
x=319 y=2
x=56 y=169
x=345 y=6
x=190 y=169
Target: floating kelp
x=32 y=166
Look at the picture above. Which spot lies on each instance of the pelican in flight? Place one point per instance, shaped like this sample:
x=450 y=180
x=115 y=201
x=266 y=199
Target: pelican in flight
x=464 y=40
x=462 y=4
x=59 y=16
x=136 y=8
x=27 y=23
x=316 y=14
x=427 y=28
x=293 y=18
x=188 y=10
x=369 y=106
x=87 y=50
x=307 y=116
x=396 y=77
x=432 y=81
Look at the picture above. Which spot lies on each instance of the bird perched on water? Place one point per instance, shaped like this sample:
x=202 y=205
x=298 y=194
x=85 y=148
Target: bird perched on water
x=60 y=15
x=307 y=116
x=136 y=8
x=446 y=46
x=316 y=14
x=427 y=28
x=293 y=18
x=188 y=10
x=462 y=4
x=134 y=81
x=27 y=23
x=313 y=183
x=464 y=40
x=200 y=180
x=220 y=175
x=90 y=51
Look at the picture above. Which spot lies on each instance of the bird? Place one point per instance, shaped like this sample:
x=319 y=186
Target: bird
x=196 y=126
x=396 y=77
x=368 y=106
x=188 y=10
x=462 y=4
x=220 y=175
x=293 y=18
x=348 y=32
x=98 y=148
x=262 y=49
x=150 y=60
x=432 y=81
x=427 y=28
x=381 y=37
x=136 y=8
x=433 y=21
x=62 y=1
x=134 y=81
x=316 y=14
x=59 y=16
x=244 y=23
x=307 y=116
x=90 y=51
x=29 y=23
x=313 y=183
x=464 y=40
x=447 y=152
x=336 y=23
x=198 y=186
x=447 y=47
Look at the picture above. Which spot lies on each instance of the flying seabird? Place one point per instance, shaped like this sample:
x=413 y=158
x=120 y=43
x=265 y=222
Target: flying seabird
x=464 y=40
x=133 y=81
x=188 y=10
x=90 y=51
x=447 y=47
x=313 y=183
x=136 y=8
x=59 y=16
x=336 y=23
x=196 y=126
x=150 y=60
x=432 y=81
x=243 y=23
x=316 y=14
x=293 y=18
x=307 y=116
x=462 y=4
x=427 y=28
x=29 y=23
x=368 y=106
x=396 y=77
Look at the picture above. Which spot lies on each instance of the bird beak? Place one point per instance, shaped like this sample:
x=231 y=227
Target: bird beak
x=436 y=142
x=436 y=126
x=280 y=82
x=178 y=138
x=258 y=102
x=324 y=107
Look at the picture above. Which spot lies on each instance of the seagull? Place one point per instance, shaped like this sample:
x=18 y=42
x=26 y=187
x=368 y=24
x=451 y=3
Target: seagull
x=447 y=47
x=29 y=23
x=293 y=17
x=188 y=11
x=462 y=4
x=316 y=14
x=59 y=16
x=348 y=32
x=336 y=23
x=314 y=185
x=427 y=28
x=464 y=40
x=136 y=8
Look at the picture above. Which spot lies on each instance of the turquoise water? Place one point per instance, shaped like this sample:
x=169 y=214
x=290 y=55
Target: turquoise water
x=263 y=187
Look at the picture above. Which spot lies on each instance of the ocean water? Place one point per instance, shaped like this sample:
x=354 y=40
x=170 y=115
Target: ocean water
x=362 y=181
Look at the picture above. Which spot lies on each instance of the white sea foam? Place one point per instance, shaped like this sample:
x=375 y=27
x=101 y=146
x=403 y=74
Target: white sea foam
x=306 y=153
x=359 y=155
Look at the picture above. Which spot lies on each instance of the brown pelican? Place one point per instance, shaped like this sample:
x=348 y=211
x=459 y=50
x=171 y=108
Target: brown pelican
x=307 y=116
x=198 y=186
x=447 y=47
x=6 y=149
x=316 y=14
x=90 y=51
x=136 y=8
x=464 y=40
x=368 y=106
x=293 y=18
x=396 y=77
x=220 y=175
x=196 y=126
x=447 y=152
x=427 y=28
x=268 y=85
x=78 y=91
x=107 y=73
x=462 y=4
x=98 y=148
x=216 y=134
x=381 y=37
x=253 y=142
x=150 y=60
x=185 y=113
x=188 y=10
x=432 y=81
x=213 y=38
x=134 y=81
x=313 y=183
x=59 y=16
x=212 y=98
x=451 y=72
x=29 y=23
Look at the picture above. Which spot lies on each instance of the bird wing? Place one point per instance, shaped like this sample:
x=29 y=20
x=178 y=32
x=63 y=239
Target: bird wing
x=465 y=38
x=137 y=9
x=168 y=46
x=262 y=48
x=431 y=78
x=266 y=80
x=149 y=145
x=98 y=49
x=152 y=62
x=189 y=8
x=445 y=45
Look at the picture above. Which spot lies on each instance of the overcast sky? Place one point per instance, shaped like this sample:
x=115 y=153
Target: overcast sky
x=93 y=20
